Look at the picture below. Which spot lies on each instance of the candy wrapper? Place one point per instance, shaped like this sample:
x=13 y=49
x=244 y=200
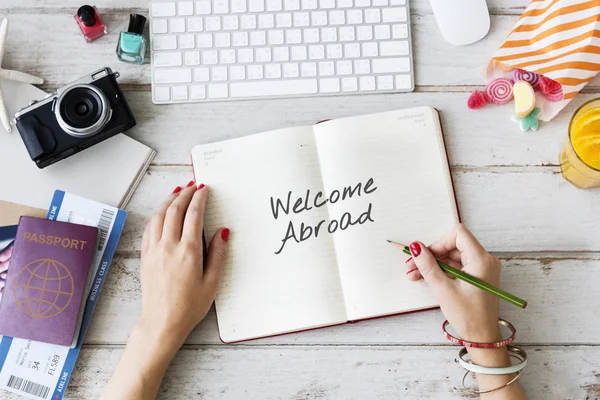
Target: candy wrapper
x=557 y=39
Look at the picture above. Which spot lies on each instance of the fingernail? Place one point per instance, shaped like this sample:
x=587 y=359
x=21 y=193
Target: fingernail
x=415 y=249
x=200 y=186
x=177 y=190
x=190 y=183
x=225 y=234
x=410 y=270
x=408 y=259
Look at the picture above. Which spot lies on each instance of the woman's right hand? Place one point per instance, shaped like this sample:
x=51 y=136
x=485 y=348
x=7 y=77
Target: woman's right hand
x=472 y=312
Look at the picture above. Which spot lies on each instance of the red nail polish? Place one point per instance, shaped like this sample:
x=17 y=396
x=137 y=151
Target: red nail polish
x=176 y=190
x=415 y=249
x=410 y=270
x=190 y=183
x=225 y=234
x=90 y=23
x=200 y=186
x=408 y=259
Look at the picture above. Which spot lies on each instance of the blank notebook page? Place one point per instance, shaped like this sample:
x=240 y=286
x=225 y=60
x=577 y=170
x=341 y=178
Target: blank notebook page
x=262 y=293
x=403 y=152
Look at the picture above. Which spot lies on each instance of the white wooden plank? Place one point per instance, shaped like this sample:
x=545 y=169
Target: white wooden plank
x=300 y=373
x=508 y=211
x=485 y=137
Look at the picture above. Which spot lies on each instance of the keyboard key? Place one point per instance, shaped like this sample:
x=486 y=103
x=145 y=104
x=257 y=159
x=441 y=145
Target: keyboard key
x=291 y=5
x=237 y=73
x=344 y=3
x=163 y=9
x=291 y=70
x=403 y=82
x=187 y=42
x=179 y=93
x=387 y=65
x=256 y=6
x=328 y=35
x=344 y=67
x=167 y=59
x=210 y=57
x=352 y=50
x=159 y=26
x=281 y=54
x=316 y=52
x=311 y=35
x=293 y=36
x=385 y=82
x=219 y=74
x=213 y=24
x=366 y=83
x=362 y=67
x=364 y=32
x=301 y=19
x=205 y=40
x=362 y=3
x=355 y=16
x=162 y=93
x=245 y=55
x=201 y=74
x=221 y=6
x=164 y=42
x=191 y=57
x=399 y=48
x=203 y=7
x=394 y=14
x=326 y=68
x=350 y=84
x=258 y=38
x=273 y=71
x=329 y=85
x=319 y=18
x=195 y=24
x=172 y=75
x=309 y=4
x=238 y=6
x=218 y=91
x=346 y=34
x=337 y=17
x=299 y=53
x=400 y=31
x=230 y=22
x=240 y=39
x=379 y=3
x=282 y=88
x=397 y=2
x=372 y=16
x=227 y=56
x=327 y=4
x=274 y=5
x=222 y=40
x=197 y=92
x=266 y=21
x=177 y=25
x=334 y=51
x=255 y=71
x=276 y=37
x=382 y=32
x=263 y=54
x=248 y=22
x=284 y=20
x=185 y=8
x=370 y=50
x=308 y=69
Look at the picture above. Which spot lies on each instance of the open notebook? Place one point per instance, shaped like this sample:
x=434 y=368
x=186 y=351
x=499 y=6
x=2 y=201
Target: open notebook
x=108 y=172
x=310 y=209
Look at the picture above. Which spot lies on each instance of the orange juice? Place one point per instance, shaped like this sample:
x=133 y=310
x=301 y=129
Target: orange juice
x=580 y=154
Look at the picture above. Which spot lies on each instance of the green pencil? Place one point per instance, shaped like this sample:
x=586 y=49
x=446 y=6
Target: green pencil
x=458 y=274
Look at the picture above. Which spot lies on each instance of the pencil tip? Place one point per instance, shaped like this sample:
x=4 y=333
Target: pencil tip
x=389 y=241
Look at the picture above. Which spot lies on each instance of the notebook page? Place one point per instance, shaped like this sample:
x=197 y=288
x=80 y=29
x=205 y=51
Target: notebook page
x=409 y=198
x=263 y=293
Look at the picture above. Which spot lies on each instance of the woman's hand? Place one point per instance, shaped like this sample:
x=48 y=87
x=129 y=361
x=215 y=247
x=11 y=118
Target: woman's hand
x=177 y=287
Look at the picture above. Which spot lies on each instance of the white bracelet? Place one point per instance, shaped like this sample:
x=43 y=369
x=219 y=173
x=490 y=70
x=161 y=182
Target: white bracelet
x=518 y=353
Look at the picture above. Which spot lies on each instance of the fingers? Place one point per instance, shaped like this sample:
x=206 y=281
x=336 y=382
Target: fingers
x=458 y=238
x=428 y=266
x=173 y=225
x=217 y=251
x=155 y=226
x=194 y=218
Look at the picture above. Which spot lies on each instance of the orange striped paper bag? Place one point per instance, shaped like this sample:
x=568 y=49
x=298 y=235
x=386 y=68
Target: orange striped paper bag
x=559 y=39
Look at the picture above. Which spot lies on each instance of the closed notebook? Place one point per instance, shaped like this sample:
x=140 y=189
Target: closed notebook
x=310 y=210
x=46 y=280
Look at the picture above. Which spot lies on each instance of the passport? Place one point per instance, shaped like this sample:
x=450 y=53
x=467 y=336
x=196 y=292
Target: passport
x=46 y=280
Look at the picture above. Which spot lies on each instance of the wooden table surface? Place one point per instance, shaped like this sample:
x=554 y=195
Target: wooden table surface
x=509 y=189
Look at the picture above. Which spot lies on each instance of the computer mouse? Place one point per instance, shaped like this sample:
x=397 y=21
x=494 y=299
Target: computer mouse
x=461 y=22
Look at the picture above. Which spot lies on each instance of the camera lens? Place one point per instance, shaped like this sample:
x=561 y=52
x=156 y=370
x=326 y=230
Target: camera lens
x=82 y=110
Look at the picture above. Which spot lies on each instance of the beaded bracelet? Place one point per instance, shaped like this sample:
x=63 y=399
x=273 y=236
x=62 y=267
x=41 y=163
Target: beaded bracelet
x=513 y=351
x=467 y=343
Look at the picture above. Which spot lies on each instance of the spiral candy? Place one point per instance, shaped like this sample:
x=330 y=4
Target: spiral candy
x=530 y=77
x=499 y=91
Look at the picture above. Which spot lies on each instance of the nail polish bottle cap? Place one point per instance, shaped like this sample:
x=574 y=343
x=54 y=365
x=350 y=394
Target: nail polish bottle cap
x=87 y=15
x=136 y=23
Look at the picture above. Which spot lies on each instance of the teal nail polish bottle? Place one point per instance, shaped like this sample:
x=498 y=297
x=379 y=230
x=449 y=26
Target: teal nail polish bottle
x=132 y=44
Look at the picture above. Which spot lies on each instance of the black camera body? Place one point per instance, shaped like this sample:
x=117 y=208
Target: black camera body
x=79 y=115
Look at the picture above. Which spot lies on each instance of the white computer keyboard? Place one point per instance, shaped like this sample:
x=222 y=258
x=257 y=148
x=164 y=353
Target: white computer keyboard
x=214 y=50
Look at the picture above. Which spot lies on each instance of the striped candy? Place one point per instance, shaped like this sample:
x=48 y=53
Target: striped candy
x=530 y=77
x=499 y=91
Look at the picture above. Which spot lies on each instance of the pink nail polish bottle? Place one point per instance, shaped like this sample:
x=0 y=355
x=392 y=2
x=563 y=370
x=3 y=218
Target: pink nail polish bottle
x=90 y=23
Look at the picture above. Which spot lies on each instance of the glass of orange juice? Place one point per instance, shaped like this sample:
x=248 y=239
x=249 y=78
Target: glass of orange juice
x=580 y=153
